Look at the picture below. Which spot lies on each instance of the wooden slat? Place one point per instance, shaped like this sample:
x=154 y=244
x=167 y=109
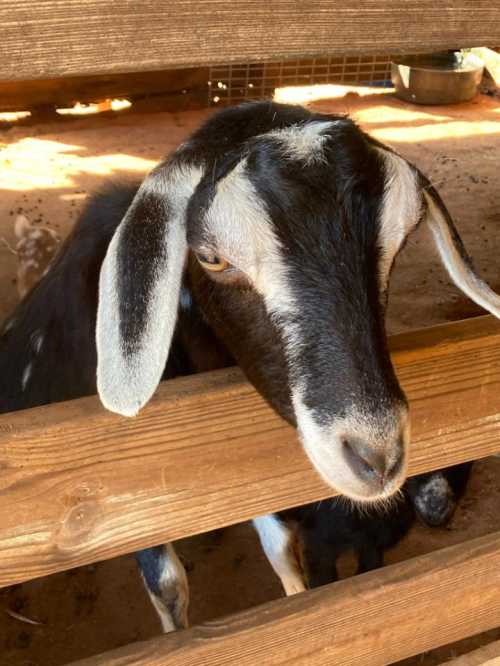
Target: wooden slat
x=21 y=95
x=80 y=37
x=369 y=620
x=79 y=484
x=488 y=655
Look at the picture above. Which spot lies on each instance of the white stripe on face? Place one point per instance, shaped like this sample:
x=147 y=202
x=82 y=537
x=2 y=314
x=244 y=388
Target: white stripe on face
x=303 y=142
x=242 y=232
x=401 y=209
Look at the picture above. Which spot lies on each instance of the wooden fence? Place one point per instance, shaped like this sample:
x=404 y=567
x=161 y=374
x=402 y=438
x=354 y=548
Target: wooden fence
x=51 y=38
x=79 y=484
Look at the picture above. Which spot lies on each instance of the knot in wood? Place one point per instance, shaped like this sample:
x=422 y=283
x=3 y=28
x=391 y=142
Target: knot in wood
x=78 y=525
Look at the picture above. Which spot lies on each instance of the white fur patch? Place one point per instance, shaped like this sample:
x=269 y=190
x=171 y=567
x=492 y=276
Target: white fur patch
x=167 y=622
x=126 y=382
x=37 y=341
x=323 y=445
x=461 y=274
x=26 y=376
x=173 y=604
x=304 y=141
x=244 y=235
x=401 y=208
x=275 y=539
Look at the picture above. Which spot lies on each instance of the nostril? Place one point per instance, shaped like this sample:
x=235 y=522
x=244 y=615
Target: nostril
x=363 y=461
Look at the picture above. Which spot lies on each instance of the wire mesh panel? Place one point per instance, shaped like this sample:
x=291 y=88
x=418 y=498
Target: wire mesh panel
x=230 y=84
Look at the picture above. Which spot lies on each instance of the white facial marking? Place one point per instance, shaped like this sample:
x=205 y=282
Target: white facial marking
x=244 y=234
x=303 y=141
x=275 y=539
x=126 y=381
x=461 y=274
x=323 y=445
x=26 y=376
x=401 y=208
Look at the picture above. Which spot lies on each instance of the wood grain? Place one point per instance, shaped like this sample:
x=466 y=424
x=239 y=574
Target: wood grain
x=80 y=37
x=79 y=484
x=369 y=620
x=488 y=655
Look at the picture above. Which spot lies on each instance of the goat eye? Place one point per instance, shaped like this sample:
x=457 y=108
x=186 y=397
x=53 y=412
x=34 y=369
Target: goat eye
x=211 y=262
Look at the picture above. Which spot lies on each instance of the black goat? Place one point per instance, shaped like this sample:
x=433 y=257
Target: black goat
x=266 y=239
x=318 y=533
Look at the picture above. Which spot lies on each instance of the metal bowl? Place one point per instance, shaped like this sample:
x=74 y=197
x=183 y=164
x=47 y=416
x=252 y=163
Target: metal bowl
x=439 y=78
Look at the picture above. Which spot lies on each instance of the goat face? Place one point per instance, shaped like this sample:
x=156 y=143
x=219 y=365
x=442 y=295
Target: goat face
x=288 y=223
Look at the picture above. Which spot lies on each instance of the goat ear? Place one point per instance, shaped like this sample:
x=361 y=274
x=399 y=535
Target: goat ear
x=454 y=255
x=139 y=289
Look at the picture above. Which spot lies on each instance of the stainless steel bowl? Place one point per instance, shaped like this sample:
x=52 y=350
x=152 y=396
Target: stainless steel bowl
x=439 y=78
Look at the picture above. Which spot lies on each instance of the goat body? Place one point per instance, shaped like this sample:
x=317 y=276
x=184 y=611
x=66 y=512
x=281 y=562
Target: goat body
x=320 y=532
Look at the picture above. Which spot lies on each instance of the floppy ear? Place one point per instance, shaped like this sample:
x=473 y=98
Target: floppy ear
x=139 y=289
x=453 y=253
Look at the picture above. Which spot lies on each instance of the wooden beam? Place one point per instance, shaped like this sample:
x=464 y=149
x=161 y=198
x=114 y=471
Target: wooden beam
x=186 y=84
x=79 y=484
x=488 y=655
x=369 y=620
x=81 y=37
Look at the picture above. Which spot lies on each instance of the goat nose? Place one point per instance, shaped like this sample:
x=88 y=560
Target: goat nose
x=369 y=464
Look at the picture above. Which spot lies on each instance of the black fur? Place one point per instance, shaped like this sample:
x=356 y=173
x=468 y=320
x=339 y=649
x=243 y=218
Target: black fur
x=62 y=309
x=325 y=530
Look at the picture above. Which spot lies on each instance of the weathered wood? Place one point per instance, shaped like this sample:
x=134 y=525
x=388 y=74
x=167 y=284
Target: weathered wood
x=488 y=655
x=64 y=92
x=369 y=620
x=79 y=484
x=79 y=37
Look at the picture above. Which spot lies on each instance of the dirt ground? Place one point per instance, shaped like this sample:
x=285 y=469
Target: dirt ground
x=48 y=170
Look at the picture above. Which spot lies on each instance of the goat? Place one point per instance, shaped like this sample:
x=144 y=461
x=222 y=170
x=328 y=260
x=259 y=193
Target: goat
x=267 y=239
x=314 y=536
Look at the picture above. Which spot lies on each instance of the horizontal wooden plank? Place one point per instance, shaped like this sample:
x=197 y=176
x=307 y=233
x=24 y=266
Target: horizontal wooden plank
x=488 y=655
x=78 y=37
x=370 y=620
x=79 y=484
x=64 y=92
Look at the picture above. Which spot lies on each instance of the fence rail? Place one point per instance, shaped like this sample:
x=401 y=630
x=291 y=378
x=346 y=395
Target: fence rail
x=79 y=484
x=369 y=620
x=87 y=37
